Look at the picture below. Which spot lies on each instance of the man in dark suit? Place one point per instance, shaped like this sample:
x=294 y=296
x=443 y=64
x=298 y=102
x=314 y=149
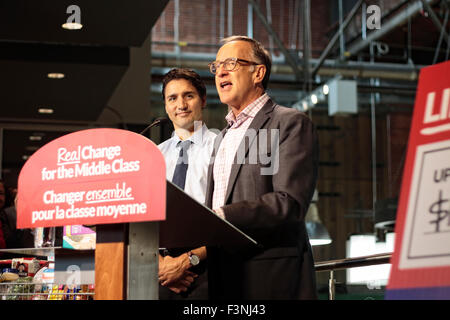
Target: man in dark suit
x=261 y=179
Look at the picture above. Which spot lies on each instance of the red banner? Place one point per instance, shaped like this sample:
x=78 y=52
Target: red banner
x=421 y=259
x=95 y=176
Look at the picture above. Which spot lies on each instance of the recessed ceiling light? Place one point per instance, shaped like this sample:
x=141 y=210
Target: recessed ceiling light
x=72 y=26
x=325 y=89
x=314 y=99
x=35 y=138
x=46 y=110
x=31 y=148
x=56 y=75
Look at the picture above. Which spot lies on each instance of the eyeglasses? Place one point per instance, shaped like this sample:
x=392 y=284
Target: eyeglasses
x=229 y=64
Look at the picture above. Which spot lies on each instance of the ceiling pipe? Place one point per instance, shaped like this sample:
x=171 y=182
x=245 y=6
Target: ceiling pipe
x=330 y=68
x=289 y=59
x=334 y=39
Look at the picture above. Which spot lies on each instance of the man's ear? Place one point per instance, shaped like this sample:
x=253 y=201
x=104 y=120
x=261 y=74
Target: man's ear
x=204 y=102
x=260 y=72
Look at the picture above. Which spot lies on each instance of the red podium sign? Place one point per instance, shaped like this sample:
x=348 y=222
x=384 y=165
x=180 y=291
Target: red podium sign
x=421 y=259
x=95 y=176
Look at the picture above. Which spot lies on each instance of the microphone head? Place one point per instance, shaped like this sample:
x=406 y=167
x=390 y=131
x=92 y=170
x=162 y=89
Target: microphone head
x=157 y=121
x=162 y=119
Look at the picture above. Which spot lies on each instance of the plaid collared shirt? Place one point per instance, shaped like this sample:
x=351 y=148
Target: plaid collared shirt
x=229 y=145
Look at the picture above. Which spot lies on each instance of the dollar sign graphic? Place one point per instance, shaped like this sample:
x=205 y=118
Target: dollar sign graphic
x=441 y=214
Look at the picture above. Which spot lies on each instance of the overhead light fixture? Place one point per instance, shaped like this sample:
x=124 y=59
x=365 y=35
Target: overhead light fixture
x=55 y=75
x=35 y=138
x=72 y=26
x=318 y=95
x=46 y=110
x=31 y=148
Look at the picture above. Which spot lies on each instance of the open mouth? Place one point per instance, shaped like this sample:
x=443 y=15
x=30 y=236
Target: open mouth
x=225 y=84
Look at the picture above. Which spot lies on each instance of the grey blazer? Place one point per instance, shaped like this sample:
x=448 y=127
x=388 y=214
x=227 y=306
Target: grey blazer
x=268 y=201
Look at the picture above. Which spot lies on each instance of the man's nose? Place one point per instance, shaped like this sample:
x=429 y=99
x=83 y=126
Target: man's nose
x=182 y=104
x=220 y=71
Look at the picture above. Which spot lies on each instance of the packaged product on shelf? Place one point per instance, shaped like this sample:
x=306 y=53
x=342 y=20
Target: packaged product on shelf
x=78 y=237
x=6 y=263
x=9 y=275
x=27 y=267
x=53 y=292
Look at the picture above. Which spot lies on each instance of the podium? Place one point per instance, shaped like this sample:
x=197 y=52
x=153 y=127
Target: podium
x=116 y=179
x=135 y=246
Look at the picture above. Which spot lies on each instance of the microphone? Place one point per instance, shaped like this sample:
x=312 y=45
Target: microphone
x=157 y=121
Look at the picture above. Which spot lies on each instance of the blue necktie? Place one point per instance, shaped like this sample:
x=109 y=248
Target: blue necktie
x=179 y=175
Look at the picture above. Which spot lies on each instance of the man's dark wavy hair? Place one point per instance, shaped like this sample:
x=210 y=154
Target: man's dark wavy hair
x=184 y=73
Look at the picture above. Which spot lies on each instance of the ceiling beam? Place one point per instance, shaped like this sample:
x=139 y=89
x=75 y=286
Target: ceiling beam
x=289 y=59
x=387 y=26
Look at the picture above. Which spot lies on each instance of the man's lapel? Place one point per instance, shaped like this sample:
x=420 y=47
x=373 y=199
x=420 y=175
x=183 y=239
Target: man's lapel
x=260 y=119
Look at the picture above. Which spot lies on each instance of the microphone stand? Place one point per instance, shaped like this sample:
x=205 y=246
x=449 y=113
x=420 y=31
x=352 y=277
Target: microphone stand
x=158 y=121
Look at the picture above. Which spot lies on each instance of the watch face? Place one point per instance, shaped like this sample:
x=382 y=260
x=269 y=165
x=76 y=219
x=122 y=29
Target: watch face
x=195 y=260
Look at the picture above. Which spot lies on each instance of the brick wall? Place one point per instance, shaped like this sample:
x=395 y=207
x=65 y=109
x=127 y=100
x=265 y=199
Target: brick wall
x=206 y=22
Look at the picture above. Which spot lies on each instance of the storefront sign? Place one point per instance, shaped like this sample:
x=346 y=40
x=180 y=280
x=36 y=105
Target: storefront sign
x=421 y=259
x=94 y=176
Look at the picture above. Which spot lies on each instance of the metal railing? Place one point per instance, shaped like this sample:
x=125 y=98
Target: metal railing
x=364 y=261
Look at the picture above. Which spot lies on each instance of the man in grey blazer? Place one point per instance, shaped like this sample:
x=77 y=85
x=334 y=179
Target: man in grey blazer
x=261 y=179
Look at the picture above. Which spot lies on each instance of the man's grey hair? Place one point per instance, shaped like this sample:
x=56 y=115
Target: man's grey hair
x=259 y=52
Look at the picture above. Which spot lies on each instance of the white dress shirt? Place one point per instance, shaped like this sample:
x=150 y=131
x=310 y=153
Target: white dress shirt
x=199 y=155
x=228 y=148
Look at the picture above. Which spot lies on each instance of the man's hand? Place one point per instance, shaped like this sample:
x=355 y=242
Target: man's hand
x=181 y=285
x=173 y=270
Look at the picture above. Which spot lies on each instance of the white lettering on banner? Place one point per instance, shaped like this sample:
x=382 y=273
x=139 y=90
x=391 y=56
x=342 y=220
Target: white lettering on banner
x=75 y=213
x=120 y=192
x=47 y=174
x=42 y=215
x=89 y=212
x=86 y=153
x=123 y=209
x=93 y=169
x=70 y=164
x=121 y=166
x=51 y=197
x=90 y=153
x=443 y=113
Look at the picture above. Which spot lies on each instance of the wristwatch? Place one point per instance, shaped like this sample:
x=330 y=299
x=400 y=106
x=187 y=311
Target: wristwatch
x=193 y=259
